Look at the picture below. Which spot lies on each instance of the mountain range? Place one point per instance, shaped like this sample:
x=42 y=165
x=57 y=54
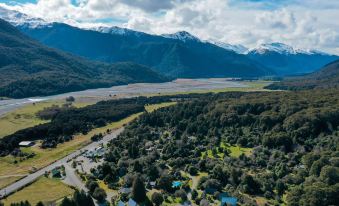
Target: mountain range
x=28 y=68
x=286 y=60
x=327 y=77
x=176 y=55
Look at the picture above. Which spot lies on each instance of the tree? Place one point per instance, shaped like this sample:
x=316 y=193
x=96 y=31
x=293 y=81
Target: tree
x=165 y=183
x=99 y=194
x=250 y=185
x=280 y=187
x=40 y=204
x=70 y=99
x=194 y=194
x=329 y=175
x=138 y=190
x=80 y=198
x=181 y=194
x=67 y=202
x=91 y=185
x=157 y=199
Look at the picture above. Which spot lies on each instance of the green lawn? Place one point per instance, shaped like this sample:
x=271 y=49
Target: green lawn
x=26 y=116
x=44 y=189
x=235 y=151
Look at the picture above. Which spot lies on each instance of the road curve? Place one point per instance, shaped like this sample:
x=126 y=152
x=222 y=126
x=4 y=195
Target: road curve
x=32 y=177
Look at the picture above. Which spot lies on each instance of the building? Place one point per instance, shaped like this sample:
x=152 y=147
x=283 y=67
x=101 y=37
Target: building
x=131 y=202
x=125 y=190
x=26 y=144
x=225 y=199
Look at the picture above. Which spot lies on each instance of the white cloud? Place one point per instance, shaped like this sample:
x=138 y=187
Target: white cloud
x=305 y=24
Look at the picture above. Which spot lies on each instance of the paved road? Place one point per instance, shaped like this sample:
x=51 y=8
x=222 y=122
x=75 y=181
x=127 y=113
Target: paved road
x=31 y=177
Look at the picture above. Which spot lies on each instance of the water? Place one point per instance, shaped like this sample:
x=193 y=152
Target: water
x=179 y=85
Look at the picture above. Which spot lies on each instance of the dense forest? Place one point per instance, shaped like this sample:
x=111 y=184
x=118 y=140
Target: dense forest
x=28 y=69
x=327 y=77
x=67 y=120
x=291 y=141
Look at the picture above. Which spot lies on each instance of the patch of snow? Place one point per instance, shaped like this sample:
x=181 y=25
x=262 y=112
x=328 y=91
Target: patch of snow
x=117 y=30
x=238 y=48
x=283 y=49
x=19 y=19
x=182 y=36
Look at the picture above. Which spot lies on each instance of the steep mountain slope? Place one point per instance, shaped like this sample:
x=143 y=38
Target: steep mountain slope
x=28 y=68
x=177 y=55
x=327 y=77
x=285 y=60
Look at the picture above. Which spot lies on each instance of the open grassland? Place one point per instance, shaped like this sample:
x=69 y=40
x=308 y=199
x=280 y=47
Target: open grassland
x=44 y=189
x=234 y=151
x=153 y=107
x=43 y=157
x=26 y=116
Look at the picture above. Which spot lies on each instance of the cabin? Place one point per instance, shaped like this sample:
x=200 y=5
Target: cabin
x=125 y=190
x=131 y=202
x=121 y=203
x=225 y=200
x=26 y=144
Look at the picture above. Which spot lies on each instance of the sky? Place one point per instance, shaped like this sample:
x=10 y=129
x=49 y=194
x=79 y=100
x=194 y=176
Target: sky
x=307 y=24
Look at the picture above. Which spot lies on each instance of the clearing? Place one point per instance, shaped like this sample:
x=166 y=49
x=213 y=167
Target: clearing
x=44 y=189
x=26 y=116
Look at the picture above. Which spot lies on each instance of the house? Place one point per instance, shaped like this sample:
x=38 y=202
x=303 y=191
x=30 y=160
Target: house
x=151 y=184
x=125 y=190
x=131 y=202
x=26 y=144
x=229 y=201
x=226 y=200
x=121 y=203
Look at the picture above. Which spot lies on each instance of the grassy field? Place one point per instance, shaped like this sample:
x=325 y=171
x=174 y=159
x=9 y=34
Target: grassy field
x=152 y=107
x=45 y=157
x=26 y=116
x=235 y=151
x=44 y=189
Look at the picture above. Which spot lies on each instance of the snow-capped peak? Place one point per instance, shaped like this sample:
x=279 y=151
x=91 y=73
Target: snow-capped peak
x=238 y=48
x=19 y=19
x=282 y=49
x=117 y=30
x=275 y=47
x=182 y=36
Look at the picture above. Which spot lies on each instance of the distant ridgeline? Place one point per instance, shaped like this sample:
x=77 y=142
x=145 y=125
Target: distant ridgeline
x=29 y=69
x=327 y=77
x=290 y=143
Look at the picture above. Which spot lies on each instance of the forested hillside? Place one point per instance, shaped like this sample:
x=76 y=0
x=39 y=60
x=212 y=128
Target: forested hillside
x=276 y=147
x=327 y=77
x=28 y=68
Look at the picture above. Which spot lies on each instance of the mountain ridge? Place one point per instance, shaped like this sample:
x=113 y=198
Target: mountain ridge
x=31 y=69
x=327 y=77
x=171 y=56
